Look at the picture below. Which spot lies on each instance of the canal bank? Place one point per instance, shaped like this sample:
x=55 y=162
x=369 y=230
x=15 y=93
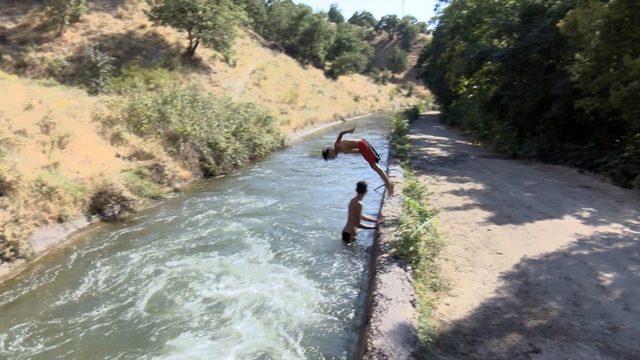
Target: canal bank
x=392 y=322
x=247 y=265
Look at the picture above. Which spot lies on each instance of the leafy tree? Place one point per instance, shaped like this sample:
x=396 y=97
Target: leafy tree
x=301 y=33
x=349 y=53
x=256 y=11
x=213 y=22
x=555 y=80
x=63 y=12
x=95 y=70
x=314 y=39
x=363 y=18
x=408 y=30
x=334 y=15
x=389 y=24
x=422 y=26
x=397 y=61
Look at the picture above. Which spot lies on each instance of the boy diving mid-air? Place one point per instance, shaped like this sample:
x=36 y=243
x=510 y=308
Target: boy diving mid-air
x=355 y=146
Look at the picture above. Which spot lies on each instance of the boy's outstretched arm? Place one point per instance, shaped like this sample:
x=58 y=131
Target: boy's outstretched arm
x=384 y=177
x=357 y=210
x=342 y=133
x=368 y=218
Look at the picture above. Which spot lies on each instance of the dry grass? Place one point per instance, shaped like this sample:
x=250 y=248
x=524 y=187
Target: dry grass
x=56 y=163
x=55 y=157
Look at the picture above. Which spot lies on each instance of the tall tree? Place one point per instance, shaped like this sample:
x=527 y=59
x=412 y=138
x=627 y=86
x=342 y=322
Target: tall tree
x=64 y=12
x=363 y=18
x=348 y=53
x=213 y=22
x=408 y=30
x=334 y=15
x=389 y=24
x=556 y=80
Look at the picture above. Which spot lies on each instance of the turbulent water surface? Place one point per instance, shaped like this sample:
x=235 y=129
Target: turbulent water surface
x=248 y=266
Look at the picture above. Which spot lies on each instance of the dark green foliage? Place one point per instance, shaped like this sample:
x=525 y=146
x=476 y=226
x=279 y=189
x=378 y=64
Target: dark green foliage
x=557 y=80
x=221 y=134
x=363 y=18
x=397 y=61
x=256 y=11
x=301 y=33
x=63 y=12
x=349 y=52
x=334 y=15
x=381 y=77
x=94 y=70
x=408 y=30
x=389 y=24
x=213 y=22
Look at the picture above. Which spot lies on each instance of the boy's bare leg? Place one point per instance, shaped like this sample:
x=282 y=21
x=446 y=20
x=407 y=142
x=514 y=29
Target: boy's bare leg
x=384 y=177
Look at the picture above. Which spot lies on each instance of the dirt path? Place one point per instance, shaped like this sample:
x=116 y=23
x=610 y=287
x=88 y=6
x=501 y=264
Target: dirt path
x=543 y=262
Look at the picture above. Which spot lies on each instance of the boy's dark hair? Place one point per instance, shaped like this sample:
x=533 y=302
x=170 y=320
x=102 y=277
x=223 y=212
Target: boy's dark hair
x=325 y=153
x=361 y=187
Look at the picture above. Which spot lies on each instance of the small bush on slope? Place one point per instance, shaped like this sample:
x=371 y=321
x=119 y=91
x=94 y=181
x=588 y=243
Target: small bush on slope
x=63 y=12
x=220 y=133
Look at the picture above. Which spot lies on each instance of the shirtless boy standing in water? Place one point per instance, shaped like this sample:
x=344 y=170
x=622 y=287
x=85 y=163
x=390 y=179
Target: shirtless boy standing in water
x=355 y=215
x=358 y=146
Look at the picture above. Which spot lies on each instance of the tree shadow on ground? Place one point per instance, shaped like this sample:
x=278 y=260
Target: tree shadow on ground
x=582 y=300
x=514 y=192
x=579 y=302
x=18 y=35
x=145 y=49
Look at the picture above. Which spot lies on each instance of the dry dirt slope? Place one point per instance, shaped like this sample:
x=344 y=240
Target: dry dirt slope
x=296 y=94
x=55 y=154
x=543 y=261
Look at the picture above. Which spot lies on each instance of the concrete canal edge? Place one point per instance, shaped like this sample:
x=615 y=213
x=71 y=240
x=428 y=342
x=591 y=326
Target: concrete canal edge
x=391 y=327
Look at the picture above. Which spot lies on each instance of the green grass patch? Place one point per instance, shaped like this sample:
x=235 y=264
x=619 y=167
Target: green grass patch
x=134 y=77
x=418 y=240
x=136 y=181
x=215 y=133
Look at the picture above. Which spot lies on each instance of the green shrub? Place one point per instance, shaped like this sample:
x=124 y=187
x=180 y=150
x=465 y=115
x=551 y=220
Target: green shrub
x=133 y=77
x=56 y=196
x=334 y=15
x=410 y=87
x=136 y=181
x=415 y=221
x=8 y=179
x=13 y=237
x=51 y=186
x=417 y=239
x=63 y=12
x=381 y=77
x=363 y=18
x=221 y=133
x=57 y=68
x=397 y=60
x=95 y=70
x=399 y=125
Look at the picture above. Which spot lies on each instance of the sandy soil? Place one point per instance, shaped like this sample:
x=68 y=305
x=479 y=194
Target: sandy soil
x=543 y=262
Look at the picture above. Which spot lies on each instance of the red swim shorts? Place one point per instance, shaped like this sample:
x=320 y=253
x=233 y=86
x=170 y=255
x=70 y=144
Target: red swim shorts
x=368 y=152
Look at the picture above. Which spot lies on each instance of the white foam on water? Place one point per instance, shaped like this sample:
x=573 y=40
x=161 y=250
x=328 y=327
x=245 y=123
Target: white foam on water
x=252 y=268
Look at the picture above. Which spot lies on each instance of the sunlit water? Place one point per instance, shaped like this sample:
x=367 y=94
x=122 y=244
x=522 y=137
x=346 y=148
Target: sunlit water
x=248 y=266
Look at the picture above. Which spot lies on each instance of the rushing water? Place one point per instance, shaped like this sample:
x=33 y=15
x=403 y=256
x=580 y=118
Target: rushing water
x=248 y=266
